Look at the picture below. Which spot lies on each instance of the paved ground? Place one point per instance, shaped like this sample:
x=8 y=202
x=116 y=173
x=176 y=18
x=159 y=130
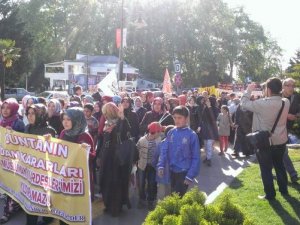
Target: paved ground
x=212 y=180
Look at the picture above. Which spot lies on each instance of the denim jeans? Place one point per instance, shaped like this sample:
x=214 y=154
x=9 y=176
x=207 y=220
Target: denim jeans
x=268 y=159
x=289 y=164
x=208 y=145
x=149 y=175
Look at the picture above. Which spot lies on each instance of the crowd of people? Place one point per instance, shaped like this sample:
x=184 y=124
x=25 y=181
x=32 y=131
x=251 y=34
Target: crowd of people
x=168 y=132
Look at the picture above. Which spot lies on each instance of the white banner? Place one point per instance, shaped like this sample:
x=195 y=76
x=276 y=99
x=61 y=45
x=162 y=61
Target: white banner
x=109 y=85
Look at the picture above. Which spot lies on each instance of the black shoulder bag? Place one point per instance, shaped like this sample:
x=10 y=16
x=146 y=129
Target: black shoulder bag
x=261 y=139
x=125 y=149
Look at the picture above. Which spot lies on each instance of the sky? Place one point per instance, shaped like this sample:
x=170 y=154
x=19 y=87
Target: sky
x=279 y=18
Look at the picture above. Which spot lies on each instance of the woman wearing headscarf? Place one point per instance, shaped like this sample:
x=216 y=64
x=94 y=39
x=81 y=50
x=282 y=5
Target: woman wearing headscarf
x=76 y=131
x=131 y=117
x=139 y=109
x=194 y=113
x=37 y=118
x=10 y=119
x=87 y=99
x=54 y=113
x=158 y=114
x=114 y=177
x=208 y=127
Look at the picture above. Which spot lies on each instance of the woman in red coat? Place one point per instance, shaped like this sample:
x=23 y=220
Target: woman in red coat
x=75 y=130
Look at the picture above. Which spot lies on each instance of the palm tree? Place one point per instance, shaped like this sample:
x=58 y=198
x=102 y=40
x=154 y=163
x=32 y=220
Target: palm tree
x=8 y=54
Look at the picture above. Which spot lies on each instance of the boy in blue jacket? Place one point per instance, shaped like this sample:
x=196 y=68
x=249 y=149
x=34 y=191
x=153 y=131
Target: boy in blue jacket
x=181 y=151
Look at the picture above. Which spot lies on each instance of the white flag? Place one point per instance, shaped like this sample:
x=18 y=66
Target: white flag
x=109 y=85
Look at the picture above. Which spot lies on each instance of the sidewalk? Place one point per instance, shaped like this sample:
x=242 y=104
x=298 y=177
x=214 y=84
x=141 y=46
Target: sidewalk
x=212 y=180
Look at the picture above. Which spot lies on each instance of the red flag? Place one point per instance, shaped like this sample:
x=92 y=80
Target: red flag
x=167 y=86
x=118 y=38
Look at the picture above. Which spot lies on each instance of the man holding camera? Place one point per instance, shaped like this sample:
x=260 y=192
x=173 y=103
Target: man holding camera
x=288 y=87
x=265 y=112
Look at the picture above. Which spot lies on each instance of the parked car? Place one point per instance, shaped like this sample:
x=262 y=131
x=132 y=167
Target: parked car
x=53 y=94
x=17 y=93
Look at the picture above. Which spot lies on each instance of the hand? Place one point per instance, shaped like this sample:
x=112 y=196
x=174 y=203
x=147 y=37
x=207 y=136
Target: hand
x=291 y=117
x=9 y=128
x=109 y=129
x=121 y=111
x=160 y=172
x=47 y=137
x=251 y=87
x=85 y=145
x=187 y=182
x=199 y=129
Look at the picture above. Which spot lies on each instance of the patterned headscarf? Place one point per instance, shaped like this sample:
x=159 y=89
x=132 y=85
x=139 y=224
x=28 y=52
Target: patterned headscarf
x=14 y=107
x=89 y=99
x=79 y=124
x=41 y=115
x=57 y=106
x=24 y=101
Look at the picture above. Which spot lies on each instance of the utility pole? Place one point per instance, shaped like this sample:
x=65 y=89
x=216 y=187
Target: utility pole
x=120 y=72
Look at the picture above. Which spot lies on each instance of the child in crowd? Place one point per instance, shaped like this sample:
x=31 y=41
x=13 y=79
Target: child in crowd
x=163 y=183
x=224 y=122
x=182 y=151
x=146 y=171
x=92 y=122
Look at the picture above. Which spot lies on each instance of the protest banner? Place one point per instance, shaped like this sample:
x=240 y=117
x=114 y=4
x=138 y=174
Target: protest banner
x=211 y=90
x=46 y=177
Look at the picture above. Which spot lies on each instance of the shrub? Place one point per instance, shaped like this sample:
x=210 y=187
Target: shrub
x=213 y=213
x=190 y=210
x=191 y=214
x=156 y=216
x=171 y=204
x=171 y=220
x=232 y=212
x=194 y=195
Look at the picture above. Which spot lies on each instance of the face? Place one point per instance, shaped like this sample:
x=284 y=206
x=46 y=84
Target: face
x=138 y=102
x=97 y=108
x=51 y=108
x=192 y=102
x=156 y=106
x=180 y=121
x=223 y=111
x=67 y=122
x=143 y=97
x=288 y=88
x=150 y=99
x=31 y=116
x=125 y=104
x=87 y=113
x=153 y=136
x=79 y=92
x=29 y=102
x=5 y=110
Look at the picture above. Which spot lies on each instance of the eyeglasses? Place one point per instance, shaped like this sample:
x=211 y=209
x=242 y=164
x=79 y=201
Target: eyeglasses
x=290 y=85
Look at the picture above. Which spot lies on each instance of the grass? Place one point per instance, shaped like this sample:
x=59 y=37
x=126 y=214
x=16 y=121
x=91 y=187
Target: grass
x=248 y=185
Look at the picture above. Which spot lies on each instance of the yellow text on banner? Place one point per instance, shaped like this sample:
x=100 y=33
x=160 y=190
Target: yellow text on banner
x=46 y=177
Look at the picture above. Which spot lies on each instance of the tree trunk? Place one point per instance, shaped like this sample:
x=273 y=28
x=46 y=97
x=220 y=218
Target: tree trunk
x=2 y=73
x=231 y=68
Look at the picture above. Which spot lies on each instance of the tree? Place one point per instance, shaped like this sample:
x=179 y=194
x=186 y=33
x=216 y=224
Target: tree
x=293 y=69
x=8 y=55
x=11 y=27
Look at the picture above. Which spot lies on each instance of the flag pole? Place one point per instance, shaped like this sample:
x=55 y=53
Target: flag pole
x=120 y=71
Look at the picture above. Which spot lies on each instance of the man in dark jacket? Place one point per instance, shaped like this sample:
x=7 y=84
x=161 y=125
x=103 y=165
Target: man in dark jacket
x=288 y=86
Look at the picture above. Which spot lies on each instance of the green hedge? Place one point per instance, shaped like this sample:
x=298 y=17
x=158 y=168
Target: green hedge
x=191 y=210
